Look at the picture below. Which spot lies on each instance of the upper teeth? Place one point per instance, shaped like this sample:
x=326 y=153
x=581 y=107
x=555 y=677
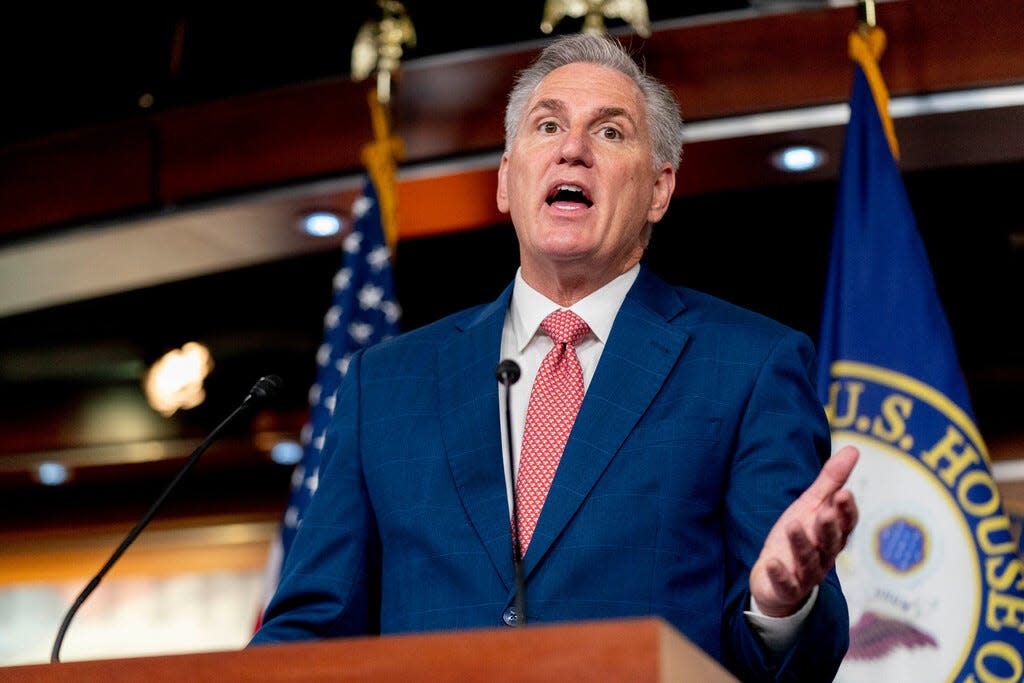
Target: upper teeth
x=570 y=188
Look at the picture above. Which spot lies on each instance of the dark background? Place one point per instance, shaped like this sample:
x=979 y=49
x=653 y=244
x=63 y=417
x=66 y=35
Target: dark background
x=764 y=248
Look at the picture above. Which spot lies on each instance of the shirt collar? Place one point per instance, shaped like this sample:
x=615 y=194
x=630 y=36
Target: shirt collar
x=598 y=309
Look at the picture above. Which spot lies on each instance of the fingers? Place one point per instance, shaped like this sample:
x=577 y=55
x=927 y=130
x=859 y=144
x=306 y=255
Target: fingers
x=790 y=585
x=846 y=510
x=831 y=535
x=833 y=524
x=807 y=557
x=786 y=587
x=834 y=474
x=841 y=463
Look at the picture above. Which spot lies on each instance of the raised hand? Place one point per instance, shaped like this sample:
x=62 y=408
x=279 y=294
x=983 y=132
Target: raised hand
x=803 y=545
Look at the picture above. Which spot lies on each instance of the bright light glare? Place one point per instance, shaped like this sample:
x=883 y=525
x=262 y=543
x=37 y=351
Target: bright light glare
x=322 y=224
x=52 y=473
x=176 y=380
x=286 y=453
x=798 y=158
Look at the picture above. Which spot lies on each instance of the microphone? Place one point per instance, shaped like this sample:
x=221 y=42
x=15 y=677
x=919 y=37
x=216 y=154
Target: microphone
x=264 y=388
x=508 y=373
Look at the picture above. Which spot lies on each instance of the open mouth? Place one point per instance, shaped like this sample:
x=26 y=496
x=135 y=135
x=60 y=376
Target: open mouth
x=569 y=194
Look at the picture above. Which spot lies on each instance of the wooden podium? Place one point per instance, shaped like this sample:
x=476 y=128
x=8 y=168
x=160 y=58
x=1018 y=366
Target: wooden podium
x=633 y=650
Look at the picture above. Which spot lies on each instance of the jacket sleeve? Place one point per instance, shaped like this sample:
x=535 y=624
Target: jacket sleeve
x=780 y=447
x=329 y=580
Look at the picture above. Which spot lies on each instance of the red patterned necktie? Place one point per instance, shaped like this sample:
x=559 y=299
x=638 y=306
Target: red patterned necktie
x=554 y=401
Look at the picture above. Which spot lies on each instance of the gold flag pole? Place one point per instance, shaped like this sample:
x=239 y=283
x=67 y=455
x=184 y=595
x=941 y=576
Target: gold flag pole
x=378 y=48
x=866 y=14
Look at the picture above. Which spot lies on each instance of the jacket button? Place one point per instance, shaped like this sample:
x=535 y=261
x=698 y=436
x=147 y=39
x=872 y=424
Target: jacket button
x=510 y=617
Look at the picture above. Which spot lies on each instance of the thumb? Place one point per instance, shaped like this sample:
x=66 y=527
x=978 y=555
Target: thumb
x=835 y=473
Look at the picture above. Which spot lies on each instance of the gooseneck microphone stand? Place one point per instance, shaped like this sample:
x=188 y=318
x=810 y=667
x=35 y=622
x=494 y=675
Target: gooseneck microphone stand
x=264 y=388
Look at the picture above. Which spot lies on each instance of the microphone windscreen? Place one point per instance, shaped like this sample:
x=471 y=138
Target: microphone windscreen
x=267 y=386
x=507 y=371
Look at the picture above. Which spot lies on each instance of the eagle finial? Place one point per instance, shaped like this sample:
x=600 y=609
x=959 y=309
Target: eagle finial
x=594 y=12
x=378 y=46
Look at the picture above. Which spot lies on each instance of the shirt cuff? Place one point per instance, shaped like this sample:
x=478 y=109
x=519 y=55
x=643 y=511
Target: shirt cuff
x=779 y=633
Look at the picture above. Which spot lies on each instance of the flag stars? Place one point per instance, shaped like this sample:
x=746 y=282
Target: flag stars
x=323 y=354
x=291 y=517
x=360 y=332
x=342 y=363
x=378 y=258
x=298 y=476
x=342 y=279
x=314 y=394
x=332 y=317
x=313 y=482
x=360 y=206
x=352 y=242
x=370 y=296
x=392 y=311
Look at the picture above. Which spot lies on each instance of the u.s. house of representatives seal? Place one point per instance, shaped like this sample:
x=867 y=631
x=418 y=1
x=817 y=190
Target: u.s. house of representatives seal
x=932 y=578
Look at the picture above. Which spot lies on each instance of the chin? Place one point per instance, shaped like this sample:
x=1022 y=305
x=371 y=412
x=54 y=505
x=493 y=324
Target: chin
x=566 y=253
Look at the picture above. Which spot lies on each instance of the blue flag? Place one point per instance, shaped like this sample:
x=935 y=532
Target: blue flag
x=932 y=574
x=363 y=312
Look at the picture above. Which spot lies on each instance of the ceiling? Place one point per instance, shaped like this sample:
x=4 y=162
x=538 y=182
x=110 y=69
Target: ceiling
x=86 y=65
x=88 y=300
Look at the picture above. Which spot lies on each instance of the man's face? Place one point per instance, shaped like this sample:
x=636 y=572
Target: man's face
x=578 y=180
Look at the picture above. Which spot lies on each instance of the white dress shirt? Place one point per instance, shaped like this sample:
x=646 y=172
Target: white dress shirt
x=523 y=341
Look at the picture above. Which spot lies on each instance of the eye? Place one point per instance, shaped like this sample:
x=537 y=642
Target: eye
x=609 y=133
x=548 y=127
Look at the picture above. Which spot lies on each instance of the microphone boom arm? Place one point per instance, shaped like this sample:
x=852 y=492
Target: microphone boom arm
x=263 y=388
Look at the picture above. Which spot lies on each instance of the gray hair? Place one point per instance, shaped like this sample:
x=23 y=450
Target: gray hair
x=663 y=116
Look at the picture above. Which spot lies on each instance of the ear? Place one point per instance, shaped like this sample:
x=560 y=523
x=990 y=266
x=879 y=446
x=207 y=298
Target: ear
x=502 y=194
x=664 y=186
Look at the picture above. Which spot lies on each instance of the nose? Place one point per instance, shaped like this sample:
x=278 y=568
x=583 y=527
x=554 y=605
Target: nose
x=575 y=148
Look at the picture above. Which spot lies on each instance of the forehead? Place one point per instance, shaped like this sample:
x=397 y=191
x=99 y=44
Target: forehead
x=591 y=86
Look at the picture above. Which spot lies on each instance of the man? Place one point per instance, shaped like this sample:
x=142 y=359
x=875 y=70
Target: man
x=690 y=485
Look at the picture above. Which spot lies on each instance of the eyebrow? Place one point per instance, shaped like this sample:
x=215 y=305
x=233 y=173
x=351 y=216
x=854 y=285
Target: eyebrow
x=549 y=104
x=558 y=107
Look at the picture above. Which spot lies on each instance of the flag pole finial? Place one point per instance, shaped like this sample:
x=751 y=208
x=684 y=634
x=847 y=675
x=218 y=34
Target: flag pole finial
x=379 y=45
x=378 y=48
x=594 y=12
x=866 y=14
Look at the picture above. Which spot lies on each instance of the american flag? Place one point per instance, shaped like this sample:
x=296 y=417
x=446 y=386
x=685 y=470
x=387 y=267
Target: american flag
x=363 y=312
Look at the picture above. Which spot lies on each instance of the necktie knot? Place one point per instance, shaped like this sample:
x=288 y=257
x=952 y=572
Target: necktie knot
x=565 y=327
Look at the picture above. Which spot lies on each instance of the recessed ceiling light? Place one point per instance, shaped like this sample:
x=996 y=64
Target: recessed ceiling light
x=322 y=224
x=799 y=158
x=286 y=453
x=52 y=473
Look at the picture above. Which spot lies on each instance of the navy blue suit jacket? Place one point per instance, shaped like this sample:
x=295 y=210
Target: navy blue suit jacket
x=700 y=426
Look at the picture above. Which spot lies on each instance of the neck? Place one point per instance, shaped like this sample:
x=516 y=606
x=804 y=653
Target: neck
x=567 y=286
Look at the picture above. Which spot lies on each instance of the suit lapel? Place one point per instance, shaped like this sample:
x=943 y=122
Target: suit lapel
x=641 y=350
x=471 y=430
